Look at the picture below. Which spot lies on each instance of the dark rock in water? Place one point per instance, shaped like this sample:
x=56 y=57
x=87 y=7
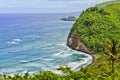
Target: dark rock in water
x=64 y=19
x=70 y=18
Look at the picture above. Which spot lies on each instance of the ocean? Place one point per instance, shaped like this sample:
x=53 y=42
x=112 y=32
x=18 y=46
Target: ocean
x=37 y=42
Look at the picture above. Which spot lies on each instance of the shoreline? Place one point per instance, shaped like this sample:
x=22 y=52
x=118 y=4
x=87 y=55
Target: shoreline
x=75 y=43
x=93 y=55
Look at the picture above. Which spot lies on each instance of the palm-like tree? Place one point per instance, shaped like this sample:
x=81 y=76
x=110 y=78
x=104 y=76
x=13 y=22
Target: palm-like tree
x=112 y=50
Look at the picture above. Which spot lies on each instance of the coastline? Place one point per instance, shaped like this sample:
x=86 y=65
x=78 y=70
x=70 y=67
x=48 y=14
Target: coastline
x=77 y=44
x=94 y=56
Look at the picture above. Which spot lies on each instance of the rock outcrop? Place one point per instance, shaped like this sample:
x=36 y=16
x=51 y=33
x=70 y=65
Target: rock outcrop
x=76 y=43
x=70 y=18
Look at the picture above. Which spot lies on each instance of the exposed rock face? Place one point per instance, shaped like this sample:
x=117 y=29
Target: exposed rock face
x=77 y=44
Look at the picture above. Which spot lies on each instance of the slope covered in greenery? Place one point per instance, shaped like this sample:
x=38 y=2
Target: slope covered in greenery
x=97 y=27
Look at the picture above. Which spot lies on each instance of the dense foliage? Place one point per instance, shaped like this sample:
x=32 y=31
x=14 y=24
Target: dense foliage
x=99 y=27
x=96 y=25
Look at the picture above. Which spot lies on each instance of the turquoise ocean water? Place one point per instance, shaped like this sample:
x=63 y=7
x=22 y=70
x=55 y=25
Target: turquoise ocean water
x=34 y=42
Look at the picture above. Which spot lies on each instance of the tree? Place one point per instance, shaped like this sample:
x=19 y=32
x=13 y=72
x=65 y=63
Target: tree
x=113 y=51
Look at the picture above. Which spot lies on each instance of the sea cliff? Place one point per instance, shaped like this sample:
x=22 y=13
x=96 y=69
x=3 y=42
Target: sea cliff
x=95 y=26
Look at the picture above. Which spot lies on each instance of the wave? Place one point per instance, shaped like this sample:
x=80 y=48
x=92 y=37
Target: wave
x=57 y=54
x=32 y=65
x=57 y=72
x=75 y=66
x=63 y=44
x=28 y=61
x=47 y=59
x=47 y=48
x=33 y=36
x=35 y=60
x=17 y=39
x=62 y=54
x=14 y=41
x=25 y=46
x=8 y=71
x=24 y=61
x=82 y=63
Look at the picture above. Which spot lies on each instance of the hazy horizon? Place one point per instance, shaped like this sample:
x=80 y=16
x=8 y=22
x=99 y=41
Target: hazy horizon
x=46 y=6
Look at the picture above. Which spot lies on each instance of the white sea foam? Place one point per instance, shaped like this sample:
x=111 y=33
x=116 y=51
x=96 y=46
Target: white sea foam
x=24 y=72
x=47 y=59
x=75 y=65
x=46 y=48
x=57 y=72
x=88 y=60
x=24 y=47
x=78 y=64
x=29 y=61
x=63 y=44
x=57 y=54
x=24 y=61
x=12 y=42
x=62 y=54
x=32 y=65
x=5 y=70
x=17 y=39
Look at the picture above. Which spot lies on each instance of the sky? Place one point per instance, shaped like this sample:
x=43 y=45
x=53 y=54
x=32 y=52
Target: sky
x=45 y=6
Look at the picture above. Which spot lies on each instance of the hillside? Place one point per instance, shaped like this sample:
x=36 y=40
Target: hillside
x=95 y=26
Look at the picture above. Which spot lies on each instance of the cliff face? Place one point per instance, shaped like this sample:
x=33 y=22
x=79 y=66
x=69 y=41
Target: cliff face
x=95 y=26
x=75 y=43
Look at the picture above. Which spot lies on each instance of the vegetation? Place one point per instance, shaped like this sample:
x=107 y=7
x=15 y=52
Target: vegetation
x=96 y=25
x=99 y=27
x=112 y=51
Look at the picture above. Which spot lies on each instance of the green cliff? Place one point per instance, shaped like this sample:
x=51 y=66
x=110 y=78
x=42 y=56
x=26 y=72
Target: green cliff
x=95 y=26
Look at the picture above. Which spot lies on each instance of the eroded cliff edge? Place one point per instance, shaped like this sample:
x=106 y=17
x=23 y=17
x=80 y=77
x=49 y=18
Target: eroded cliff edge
x=76 y=43
x=94 y=27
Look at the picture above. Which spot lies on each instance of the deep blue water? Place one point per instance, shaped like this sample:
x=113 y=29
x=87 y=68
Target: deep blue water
x=34 y=42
